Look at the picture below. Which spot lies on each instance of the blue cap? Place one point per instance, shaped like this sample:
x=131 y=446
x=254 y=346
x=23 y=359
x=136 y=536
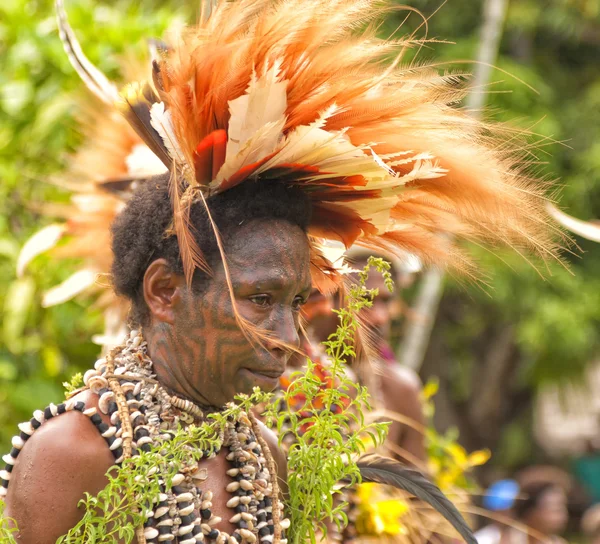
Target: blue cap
x=501 y=495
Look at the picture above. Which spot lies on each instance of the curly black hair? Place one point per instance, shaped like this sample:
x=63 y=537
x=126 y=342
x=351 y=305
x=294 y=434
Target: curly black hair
x=139 y=232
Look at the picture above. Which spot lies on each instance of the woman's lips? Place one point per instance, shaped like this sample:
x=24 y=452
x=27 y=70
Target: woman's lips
x=266 y=379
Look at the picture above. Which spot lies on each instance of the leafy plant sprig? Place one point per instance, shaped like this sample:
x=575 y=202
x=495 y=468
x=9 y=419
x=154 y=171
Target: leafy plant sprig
x=327 y=440
x=132 y=489
x=7 y=527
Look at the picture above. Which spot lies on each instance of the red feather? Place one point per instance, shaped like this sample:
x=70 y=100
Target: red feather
x=209 y=156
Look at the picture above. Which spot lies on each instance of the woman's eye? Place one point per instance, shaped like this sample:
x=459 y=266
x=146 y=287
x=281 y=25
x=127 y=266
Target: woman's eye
x=298 y=303
x=261 y=300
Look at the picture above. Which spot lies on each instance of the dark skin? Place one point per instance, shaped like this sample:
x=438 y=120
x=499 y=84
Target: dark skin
x=199 y=353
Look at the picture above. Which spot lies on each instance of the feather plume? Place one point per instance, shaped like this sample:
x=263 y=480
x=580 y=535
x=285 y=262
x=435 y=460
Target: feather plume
x=94 y=79
x=160 y=119
x=39 y=243
x=72 y=286
x=382 y=470
x=298 y=92
x=256 y=122
x=135 y=104
x=191 y=254
x=586 y=229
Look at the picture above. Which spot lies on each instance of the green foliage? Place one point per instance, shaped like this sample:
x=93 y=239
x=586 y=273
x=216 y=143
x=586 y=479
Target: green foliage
x=7 y=527
x=73 y=384
x=328 y=429
x=40 y=97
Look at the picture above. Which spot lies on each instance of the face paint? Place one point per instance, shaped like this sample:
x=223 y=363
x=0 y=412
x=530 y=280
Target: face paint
x=205 y=355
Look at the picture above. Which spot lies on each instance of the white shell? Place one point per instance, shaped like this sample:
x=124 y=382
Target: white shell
x=127 y=386
x=17 y=442
x=5 y=475
x=53 y=409
x=90 y=412
x=187 y=510
x=90 y=374
x=248 y=535
x=150 y=533
x=161 y=511
x=96 y=383
x=208 y=496
x=26 y=428
x=3 y=491
x=191 y=540
x=39 y=415
x=236 y=518
x=184 y=497
x=186 y=529
x=232 y=503
x=246 y=485
x=164 y=522
x=177 y=479
x=144 y=440
x=8 y=459
x=232 y=487
x=115 y=418
x=285 y=523
x=109 y=432
x=116 y=444
x=165 y=538
x=214 y=520
x=99 y=363
x=105 y=400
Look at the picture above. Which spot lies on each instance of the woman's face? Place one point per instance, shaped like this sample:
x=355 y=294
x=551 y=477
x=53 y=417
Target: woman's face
x=210 y=357
x=550 y=514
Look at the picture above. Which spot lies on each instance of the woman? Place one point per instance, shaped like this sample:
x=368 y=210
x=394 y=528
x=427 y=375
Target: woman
x=280 y=128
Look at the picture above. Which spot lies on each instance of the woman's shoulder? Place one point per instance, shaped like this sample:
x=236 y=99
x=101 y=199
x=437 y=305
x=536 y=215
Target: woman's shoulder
x=64 y=457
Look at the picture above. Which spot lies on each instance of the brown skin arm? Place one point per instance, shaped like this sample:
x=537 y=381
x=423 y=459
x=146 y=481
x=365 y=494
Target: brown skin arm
x=401 y=391
x=63 y=459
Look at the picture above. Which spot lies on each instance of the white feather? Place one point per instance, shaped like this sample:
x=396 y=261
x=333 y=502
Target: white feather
x=40 y=242
x=586 y=230
x=256 y=122
x=143 y=162
x=161 y=121
x=72 y=286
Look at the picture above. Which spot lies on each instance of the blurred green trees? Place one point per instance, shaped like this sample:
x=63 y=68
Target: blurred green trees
x=536 y=330
x=39 y=92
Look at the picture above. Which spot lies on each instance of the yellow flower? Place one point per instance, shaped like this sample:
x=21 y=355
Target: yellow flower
x=479 y=457
x=378 y=514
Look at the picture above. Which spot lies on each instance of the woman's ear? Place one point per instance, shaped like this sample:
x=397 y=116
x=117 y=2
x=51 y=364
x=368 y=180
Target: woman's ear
x=162 y=291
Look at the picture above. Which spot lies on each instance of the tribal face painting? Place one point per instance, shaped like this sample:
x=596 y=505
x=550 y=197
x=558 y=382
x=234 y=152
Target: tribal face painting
x=204 y=354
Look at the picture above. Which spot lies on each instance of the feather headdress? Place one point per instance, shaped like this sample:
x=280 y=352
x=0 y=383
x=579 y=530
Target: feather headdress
x=289 y=91
x=292 y=91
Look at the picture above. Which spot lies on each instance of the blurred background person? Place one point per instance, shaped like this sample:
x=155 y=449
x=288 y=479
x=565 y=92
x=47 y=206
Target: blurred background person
x=590 y=524
x=542 y=507
x=394 y=388
x=499 y=499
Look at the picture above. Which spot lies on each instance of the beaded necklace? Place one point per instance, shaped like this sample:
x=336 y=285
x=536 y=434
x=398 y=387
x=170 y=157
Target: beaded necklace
x=143 y=415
